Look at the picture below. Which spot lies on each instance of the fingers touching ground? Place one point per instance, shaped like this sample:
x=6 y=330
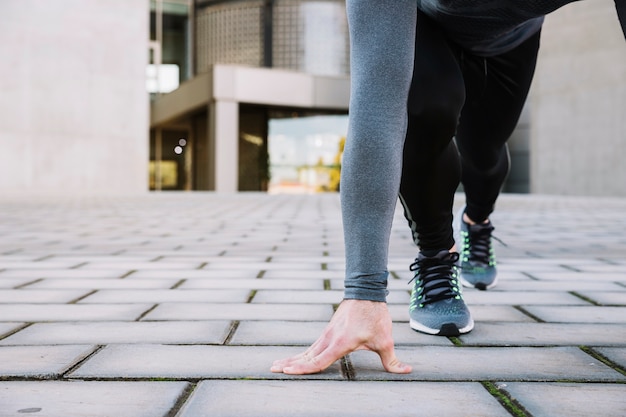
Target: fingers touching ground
x=356 y=325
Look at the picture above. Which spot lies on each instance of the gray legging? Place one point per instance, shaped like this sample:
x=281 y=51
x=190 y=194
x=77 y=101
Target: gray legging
x=382 y=36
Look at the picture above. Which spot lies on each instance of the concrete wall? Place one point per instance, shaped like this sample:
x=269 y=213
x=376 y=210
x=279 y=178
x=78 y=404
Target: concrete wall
x=74 y=111
x=578 y=103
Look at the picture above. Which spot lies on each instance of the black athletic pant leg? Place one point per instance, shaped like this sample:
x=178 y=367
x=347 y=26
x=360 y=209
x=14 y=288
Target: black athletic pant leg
x=496 y=90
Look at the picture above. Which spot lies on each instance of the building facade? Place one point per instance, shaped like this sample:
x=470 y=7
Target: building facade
x=125 y=96
x=74 y=111
x=257 y=65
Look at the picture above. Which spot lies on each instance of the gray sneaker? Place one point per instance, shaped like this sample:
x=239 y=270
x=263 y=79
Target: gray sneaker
x=477 y=258
x=437 y=305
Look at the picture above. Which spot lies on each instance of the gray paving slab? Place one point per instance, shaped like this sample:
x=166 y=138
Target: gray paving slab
x=40 y=361
x=40 y=296
x=544 y=286
x=166 y=296
x=571 y=400
x=545 y=334
x=615 y=354
x=521 y=297
x=64 y=273
x=277 y=332
x=253 y=284
x=71 y=312
x=139 y=266
x=6 y=328
x=337 y=398
x=440 y=363
x=179 y=271
x=200 y=274
x=85 y=398
x=264 y=266
x=575 y=276
x=102 y=283
x=616 y=297
x=578 y=314
x=9 y=283
x=191 y=362
x=230 y=311
x=37 y=265
x=126 y=332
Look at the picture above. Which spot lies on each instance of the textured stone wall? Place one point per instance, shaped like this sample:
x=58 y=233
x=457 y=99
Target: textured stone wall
x=73 y=101
x=578 y=103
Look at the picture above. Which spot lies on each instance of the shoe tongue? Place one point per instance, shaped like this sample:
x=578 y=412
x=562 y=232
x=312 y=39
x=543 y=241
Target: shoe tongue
x=434 y=254
x=479 y=227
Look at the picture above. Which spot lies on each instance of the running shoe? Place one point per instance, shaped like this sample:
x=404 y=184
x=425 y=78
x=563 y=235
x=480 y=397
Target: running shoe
x=477 y=258
x=437 y=305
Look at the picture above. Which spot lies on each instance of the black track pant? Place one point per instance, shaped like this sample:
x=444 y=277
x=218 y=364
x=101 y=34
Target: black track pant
x=478 y=100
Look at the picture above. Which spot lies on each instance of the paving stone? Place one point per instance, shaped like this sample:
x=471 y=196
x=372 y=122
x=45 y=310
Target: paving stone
x=229 y=311
x=313 y=274
x=85 y=398
x=521 y=297
x=576 y=276
x=337 y=398
x=6 y=328
x=104 y=333
x=431 y=363
x=315 y=297
x=545 y=334
x=571 y=400
x=277 y=332
x=64 y=273
x=264 y=266
x=71 y=312
x=543 y=286
x=183 y=362
x=8 y=283
x=40 y=296
x=102 y=283
x=254 y=284
x=615 y=297
x=36 y=265
x=200 y=274
x=40 y=361
x=582 y=314
x=617 y=354
x=167 y=296
x=139 y=266
x=234 y=239
x=121 y=259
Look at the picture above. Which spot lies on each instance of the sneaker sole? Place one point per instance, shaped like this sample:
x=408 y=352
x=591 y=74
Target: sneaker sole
x=447 y=329
x=481 y=286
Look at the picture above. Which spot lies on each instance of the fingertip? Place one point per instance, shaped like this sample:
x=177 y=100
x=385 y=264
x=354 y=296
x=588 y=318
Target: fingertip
x=405 y=369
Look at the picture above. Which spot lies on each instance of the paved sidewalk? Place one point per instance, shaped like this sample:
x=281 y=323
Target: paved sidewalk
x=176 y=304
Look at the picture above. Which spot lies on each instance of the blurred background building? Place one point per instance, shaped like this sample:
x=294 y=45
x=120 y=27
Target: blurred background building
x=123 y=96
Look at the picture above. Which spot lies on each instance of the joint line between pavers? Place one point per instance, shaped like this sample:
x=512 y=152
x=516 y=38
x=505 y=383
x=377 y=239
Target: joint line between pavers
x=182 y=399
x=82 y=297
x=78 y=364
x=603 y=359
x=145 y=313
x=506 y=400
x=529 y=314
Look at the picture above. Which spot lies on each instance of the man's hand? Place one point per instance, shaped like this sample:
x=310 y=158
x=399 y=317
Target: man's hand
x=356 y=325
